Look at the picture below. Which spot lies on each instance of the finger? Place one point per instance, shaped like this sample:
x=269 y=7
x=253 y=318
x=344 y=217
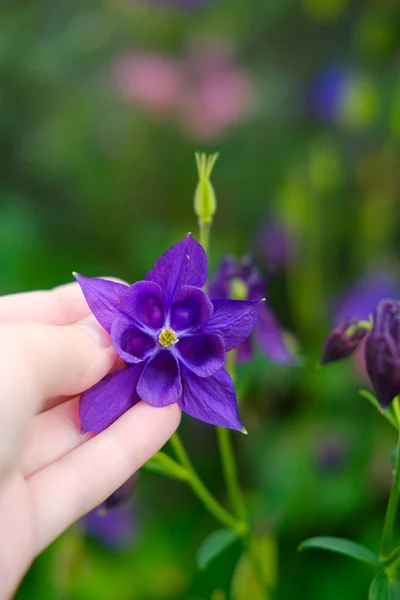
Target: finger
x=72 y=486
x=42 y=361
x=62 y=305
x=51 y=435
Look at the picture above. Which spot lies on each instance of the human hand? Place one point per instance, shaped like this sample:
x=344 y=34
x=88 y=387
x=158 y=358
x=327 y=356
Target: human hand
x=51 y=474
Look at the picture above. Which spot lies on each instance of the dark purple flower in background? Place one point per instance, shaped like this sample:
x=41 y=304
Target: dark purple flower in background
x=173 y=338
x=342 y=341
x=274 y=246
x=345 y=94
x=360 y=300
x=328 y=91
x=382 y=352
x=243 y=280
x=113 y=523
x=331 y=453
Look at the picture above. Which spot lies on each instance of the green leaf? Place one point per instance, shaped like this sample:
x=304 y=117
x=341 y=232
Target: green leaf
x=386 y=412
x=246 y=580
x=345 y=547
x=214 y=544
x=165 y=465
x=380 y=588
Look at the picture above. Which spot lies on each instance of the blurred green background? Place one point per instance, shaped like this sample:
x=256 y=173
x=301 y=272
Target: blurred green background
x=102 y=106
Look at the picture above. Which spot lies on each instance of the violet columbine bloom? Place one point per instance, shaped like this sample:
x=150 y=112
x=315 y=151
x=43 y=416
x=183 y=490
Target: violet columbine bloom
x=382 y=352
x=244 y=280
x=173 y=338
x=342 y=341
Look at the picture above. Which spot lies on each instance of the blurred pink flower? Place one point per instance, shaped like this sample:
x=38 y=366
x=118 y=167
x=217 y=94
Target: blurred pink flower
x=153 y=81
x=220 y=97
x=206 y=94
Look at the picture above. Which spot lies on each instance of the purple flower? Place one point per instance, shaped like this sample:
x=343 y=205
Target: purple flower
x=328 y=91
x=361 y=299
x=274 y=246
x=113 y=522
x=244 y=280
x=331 y=453
x=342 y=341
x=382 y=352
x=173 y=338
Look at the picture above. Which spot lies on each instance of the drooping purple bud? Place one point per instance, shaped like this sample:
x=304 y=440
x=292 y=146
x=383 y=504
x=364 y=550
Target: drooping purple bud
x=382 y=352
x=113 y=523
x=121 y=495
x=342 y=341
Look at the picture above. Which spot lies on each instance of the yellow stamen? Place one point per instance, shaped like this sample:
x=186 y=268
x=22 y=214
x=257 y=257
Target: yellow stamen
x=167 y=338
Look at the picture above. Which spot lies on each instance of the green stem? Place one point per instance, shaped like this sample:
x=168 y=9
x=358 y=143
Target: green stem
x=386 y=412
x=235 y=493
x=205 y=234
x=387 y=533
x=212 y=505
x=231 y=364
x=229 y=468
x=392 y=558
x=396 y=410
x=257 y=568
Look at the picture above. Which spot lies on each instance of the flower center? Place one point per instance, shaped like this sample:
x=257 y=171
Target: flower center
x=167 y=338
x=239 y=290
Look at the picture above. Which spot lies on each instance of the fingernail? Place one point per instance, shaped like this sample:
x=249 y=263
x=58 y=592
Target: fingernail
x=95 y=330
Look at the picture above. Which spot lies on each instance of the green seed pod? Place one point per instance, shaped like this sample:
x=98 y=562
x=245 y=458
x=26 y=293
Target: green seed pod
x=205 y=202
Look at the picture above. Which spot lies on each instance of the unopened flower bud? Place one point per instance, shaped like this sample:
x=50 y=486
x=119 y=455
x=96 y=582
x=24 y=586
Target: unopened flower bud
x=121 y=496
x=382 y=352
x=205 y=203
x=342 y=341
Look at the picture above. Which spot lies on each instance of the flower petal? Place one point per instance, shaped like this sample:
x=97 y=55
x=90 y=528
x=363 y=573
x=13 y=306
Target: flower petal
x=191 y=307
x=103 y=297
x=202 y=353
x=382 y=351
x=132 y=343
x=233 y=320
x=211 y=399
x=160 y=383
x=146 y=303
x=270 y=339
x=106 y=401
x=220 y=285
x=183 y=264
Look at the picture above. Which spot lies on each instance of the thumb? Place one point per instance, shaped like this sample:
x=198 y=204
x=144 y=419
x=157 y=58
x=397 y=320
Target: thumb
x=38 y=361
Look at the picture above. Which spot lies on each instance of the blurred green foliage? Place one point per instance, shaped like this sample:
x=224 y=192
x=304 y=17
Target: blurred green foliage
x=92 y=182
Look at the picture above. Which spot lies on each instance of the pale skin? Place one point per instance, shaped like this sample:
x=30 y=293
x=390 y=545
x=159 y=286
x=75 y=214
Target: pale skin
x=50 y=474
